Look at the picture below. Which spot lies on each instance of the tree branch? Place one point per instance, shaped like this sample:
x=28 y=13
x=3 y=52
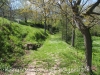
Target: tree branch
x=95 y=13
x=2 y=4
x=94 y=21
x=90 y=11
x=78 y=2
x=83 y=6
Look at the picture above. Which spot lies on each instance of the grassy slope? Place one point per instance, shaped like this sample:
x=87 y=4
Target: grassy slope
x=12 y=37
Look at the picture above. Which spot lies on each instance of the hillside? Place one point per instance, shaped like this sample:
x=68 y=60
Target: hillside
x=13 y=37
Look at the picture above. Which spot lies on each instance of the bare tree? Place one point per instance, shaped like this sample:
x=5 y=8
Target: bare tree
x=1 y=4
x=79 y=17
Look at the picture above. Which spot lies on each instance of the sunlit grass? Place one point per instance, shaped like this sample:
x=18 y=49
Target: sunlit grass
x=95 y=49
x=12 y=38
x=96 y=53
x=55 y=51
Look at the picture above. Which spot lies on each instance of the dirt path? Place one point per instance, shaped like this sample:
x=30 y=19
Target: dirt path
x=50 y=59
x=43 y=68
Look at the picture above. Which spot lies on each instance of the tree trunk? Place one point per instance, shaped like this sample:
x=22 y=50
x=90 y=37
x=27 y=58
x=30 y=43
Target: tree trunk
x=87 y=40
x=88 y=47
x=66 y=30
x=25 y=19
x=10 y=14
x=62 y=31
x=85 y=30
x=73 y=38
x=45 y=26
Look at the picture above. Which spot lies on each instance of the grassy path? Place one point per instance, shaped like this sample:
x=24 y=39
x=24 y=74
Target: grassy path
x=55 y=57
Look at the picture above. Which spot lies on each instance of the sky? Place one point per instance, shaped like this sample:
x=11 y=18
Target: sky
x=92 y=1
x=16 y=3
x=89 y=2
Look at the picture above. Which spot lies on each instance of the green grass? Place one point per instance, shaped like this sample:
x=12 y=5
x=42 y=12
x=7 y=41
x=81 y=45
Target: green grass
x=68 y=59
x=96 y=53
x=12 y=38
x=33 y=35
x=95 y=48
x=56 y=52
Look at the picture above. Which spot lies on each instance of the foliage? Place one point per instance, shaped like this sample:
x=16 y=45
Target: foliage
x=10 y=43
x=95 y=31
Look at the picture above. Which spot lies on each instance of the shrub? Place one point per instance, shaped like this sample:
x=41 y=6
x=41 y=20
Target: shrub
x=10 y=43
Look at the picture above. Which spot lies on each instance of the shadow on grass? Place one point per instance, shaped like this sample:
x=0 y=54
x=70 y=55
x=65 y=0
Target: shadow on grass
x=92 y=73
